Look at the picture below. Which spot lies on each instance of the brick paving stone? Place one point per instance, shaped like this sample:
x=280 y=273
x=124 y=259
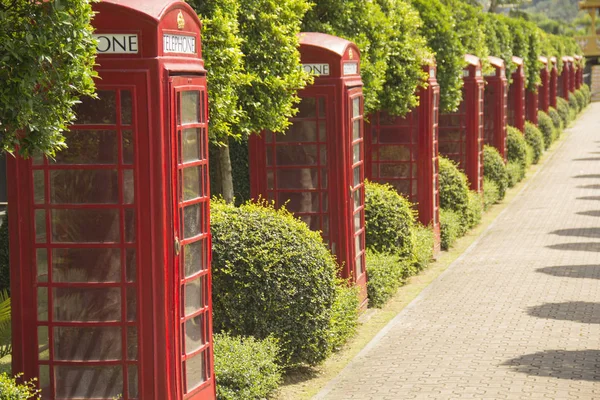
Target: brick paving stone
x=518 y=315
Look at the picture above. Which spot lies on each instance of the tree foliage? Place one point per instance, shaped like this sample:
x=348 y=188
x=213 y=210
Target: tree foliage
x=47 y=56
x=499 y=39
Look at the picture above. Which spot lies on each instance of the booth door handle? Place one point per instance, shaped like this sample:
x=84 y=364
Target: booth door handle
x=177 y=245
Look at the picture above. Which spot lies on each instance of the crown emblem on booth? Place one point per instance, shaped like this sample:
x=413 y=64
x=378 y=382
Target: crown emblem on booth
x=180 y=20
x=350 y=54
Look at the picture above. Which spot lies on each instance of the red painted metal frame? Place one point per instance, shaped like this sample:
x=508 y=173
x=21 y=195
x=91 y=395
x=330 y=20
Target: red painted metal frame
x=564 y=78
x=495 y=105
x=531 y=106
x=336 y=92
x=544 y=88
x=146 y=75
x=572 y=74
x=579 y=61
x=516 y=96
x=553 y=82
x=403 y=152
x=461 y=132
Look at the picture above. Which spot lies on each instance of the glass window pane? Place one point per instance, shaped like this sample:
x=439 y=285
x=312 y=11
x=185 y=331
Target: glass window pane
x=357 y=222
x=88 y=382
x=40 y=226
x=299 y=131
x=357 y=197
x=321 y=107
x=84 y=186
x=130 y=225
x=128 y=187
x=356 y=153
x=85 y=226
x=192 y=220
x=301 y=178
x=307 y=202
x=43 y=350
x=132 y=385
x=100 y=111
x=45 y=381
x=193 y=296
x=42 y=265
x=195 y=371
x=194 y=255
x=306 y=108
x=194 y=333
x=130 y=264
x=87 y=304
x=357 y=178
x=356 y=107
x=128 y=147
x=39 y=187
x=394 y=170
x=192 y=183
x=359 y=266
x=131 y=304
x=86 y=265
x=126 y=107
x=89 y=147
x=190 y=143
x=132 y=343
x=87 y=344
x=323 y=155
x=322 y=131
x=42 y=304
x=356 y=130
x=190 y=107
x=297 y=155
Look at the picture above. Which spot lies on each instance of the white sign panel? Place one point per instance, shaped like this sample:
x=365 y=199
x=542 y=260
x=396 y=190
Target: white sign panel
x=179 y=44
x=350 y=68
x=317 y=69
x=117 y=43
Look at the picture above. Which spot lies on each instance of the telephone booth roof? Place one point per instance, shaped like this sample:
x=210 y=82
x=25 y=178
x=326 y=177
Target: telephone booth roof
x=472 y=60
x=496 y=62
x=318 y=47
x=517 y=60
x=543 y=60
x=553 y=60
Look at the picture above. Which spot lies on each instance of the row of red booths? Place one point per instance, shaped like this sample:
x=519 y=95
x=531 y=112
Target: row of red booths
x=318 y=167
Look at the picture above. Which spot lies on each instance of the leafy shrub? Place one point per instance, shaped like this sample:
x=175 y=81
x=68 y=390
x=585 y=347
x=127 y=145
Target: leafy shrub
x=11 y=390
x=490 y=193
x=454 y=188
x=562 y=106
x=535 y=140
x=516 y=173
x=386 y=273
x=587 y=93
x=344 y=314
x=245 y=367
x=556 y=120
x=5 y=325
x=581 y=100
x=495 y=169
x=573 y=103
x=572 y=114
x=450 y=228
x=474 y=210
x=4 y=266
x=272 y=276
x=546 y=126
x=516 y=147
x=423 y=247
x=389 y=220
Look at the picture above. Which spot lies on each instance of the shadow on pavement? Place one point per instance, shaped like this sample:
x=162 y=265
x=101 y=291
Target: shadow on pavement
x=589 y=198
x=578 y=365
x=589 y=246
x=576 y=311
x=591 y=213
x=572 y=271
x=578 y=232
x=588 y=187
x=589 y=176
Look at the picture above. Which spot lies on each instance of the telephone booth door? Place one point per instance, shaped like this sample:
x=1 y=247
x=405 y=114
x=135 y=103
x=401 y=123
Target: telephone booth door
x=563 y=80
x=531 y=107
x=544 y=88
x=516 y=97
x=191 y=216
x=553 y=82
x=572 y=74
x=461 y=132
x=495 y=104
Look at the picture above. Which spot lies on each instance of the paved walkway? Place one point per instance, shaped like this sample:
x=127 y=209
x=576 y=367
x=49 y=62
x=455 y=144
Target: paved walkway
x=518 y=315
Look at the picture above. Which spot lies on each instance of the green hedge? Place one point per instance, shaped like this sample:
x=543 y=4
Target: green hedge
x=516 y=147
x=562 y=106
x=535 y=140
x=547 y=128
x=454 y=188
x=495 y=170
x=389 y=220
x=4 y=261
x=491 y=193
x=11 y=390
x=516 y=173
x=272 y=276
x=245 y=367
x=386 y=272
x=574 y=103
x=587 y=93
x=581 y=100
x=344 y=314
x=423 y=246
x=474 y=210
x=450 y=228
x=556 y=120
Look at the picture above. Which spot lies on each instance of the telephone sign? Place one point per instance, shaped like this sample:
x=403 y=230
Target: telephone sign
x=117 y=43
x=317 y=69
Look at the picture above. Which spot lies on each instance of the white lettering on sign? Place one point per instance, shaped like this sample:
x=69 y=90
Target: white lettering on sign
x=350 y=68
x=432 y=72
x=179 y=44
x=117 y=43
x=316 y=69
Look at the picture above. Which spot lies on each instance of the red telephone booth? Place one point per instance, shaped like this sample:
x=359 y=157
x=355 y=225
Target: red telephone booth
x=310 y=168
x=580 y=67
x=110 y=241
x=516 y=96
x=403 y=151
x=461 y=132
x=563 y=79
x=495 y=104
x=553 y=81
x=544 y=88
x=531 y=105
x=572 y=74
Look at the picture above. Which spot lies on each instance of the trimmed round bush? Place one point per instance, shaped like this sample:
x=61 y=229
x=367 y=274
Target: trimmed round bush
x=272 y=276
x=495 y=169
x=454 y=187
x=546 y=126
x=581 y=100
x=344 y=314
x=573 y=103
x=535 y=140
x=516 y=147
x=585 y=89
x=556 y=120
x=245 y=367
x=491 y=193
x=516 y=173
x=389 y=220
x=386 y=273
x=450 y=228
x=474 y=210
x=423 y=248
x=562 y=106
